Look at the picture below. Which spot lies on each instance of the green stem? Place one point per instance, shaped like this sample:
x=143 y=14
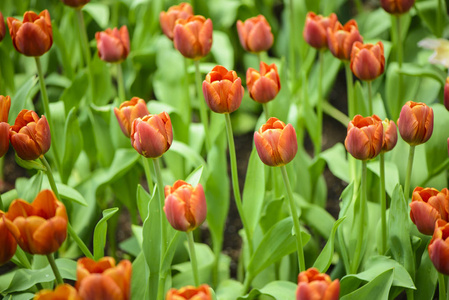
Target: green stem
x=319 y=105
x=265 y=110
x=350 y=91
x=383 y=205
x=294 y=214
x=436 y=172
x=370 y=98
x=409 y=172
x=335 y=113
x=120 y=83
x=291 y=45
x=193 y=259
x=247 y=283
x=203 y=110
x=146 y=167
x=441 y=286
x=161 y=287
x=235 y=182
x=54 y=267
x=2 y=163
x=160 y=189
x=400 y=54
x=22 y=257
x=188 y=105
x=358 y=4
x=2 y=208
x=85 y=47
x=447 y=292
x=362 y=219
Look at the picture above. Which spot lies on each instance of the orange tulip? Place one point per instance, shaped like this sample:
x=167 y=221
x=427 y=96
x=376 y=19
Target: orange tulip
x=341 y=39
x=2 y=27
x=103 y=279
x=255 y=34
x=315 y=29
x=263 y=86
x=446 y=94
x=30 y=135
x=397 y=7
x=190 y=293
x=75 y=3
x=62 y=292
x=128 y=112
x=223 y=90
x=364 y=138
x=185 y=206
x=439 y=247
x=5 y=104
x=113 y=44
x=152 y=135
x=390 y=135
x=313 y=285
x=168 y=19
x=415 y=123
x=33 y=36
x=192 y=37
x=39 y=227
x=276 y=143
x=7 y=241
x=367 y=60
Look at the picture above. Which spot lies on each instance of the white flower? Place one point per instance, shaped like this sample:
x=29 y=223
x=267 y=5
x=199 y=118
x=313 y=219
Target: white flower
x=441 y=47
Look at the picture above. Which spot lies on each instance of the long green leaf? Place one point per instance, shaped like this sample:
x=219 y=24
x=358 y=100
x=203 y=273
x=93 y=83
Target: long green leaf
x=324 y=260
x=284 y=290
x=100 y=232
x=377 y=289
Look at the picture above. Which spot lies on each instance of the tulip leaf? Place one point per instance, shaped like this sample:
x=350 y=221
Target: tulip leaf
x=29 y=188
x=195 y=176
x=99 y=12
x=7 y=71
x=335 y=158
x=377 y=289
x=229 y=289
x=222 y=49
x=100 y=232
x=391 y=171
x=76 y=91
x=426 y=279
x=430 y=71
x=188 y=153
x=324 y=260
x=436 y=146
x=72 y=146
x=143 y=199
x=67 y=192
x=139 y=282
x=29 y=164
x=171 y=250
x=18 y=102
x=284 y=290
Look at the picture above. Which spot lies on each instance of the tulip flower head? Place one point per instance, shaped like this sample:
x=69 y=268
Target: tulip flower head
x=192 y=37
x=190 y=293
x=5 y=104
x=341 y=38
x=30 y=135
x=255 y=34
x=168 y=19
x=223 y=90
x=365 y=137
x=75 y=3
x=128 y=112
x=397 y=7
x=439 y=247
x=441 y=48
x=446 y=94
x=62 y=292
x=103 y=279
x=152 y=135
x=367 y=60
x=39 y=227
x=427 y=206
x=263 y=86
x=315 y=29
x=390 y=135
x=113 y=44
x=276 y=143
x=2 y=27
x=315 y=285
x=33 y=36
x=185 y=206
x=415 y=123
x=7 y=240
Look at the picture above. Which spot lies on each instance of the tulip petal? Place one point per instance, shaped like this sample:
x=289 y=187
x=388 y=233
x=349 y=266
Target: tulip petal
x=260 y=37
x=175 y=211
x=198 y=206
x=31 y=40
x=288 y=145
x=50 y=235
x=98 y=287
x=265 y=150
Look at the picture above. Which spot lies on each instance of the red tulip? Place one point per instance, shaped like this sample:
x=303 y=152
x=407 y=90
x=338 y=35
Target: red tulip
x=190 y=293
x=2 y=27
x=7 y=240
x=341 y=38
x=315 y=29
x=75 y=3
x=313 y=285
x=446 y=94
x=390 y=135
x=193 y=36
x=397 y=7
x=263 y=86
x=5 y=104
x=367 y=60
x=62 y=292
x=255 y=34
x=439 y=247
x=364 y=138
x=128 y=112
x=168 y=19
x=113 y=44
x=415 y=123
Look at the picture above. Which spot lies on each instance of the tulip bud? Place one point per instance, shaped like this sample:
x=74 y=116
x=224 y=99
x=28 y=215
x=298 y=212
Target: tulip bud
x=152 y=135
x=33 y=36
x=185 y=206
x=446 y=94
x=62 y=292
x=168 y=19
x=2 y=27
x=30 y=135
x=397 y=7
x=276 y=143
x=39 y=227
x=427 y=206
x=415 y=123
x=5 y=104
x=341 y=38
x=439 y=247
x=7 y=240
x=315 y=29
x=103 y=279
x=390 y=135
x=367 y=60
x=263 y=86
x=315 y=285
x=128 y=112
x=364 y=138
x=75 y=3
x=255 y=34
x=113 y=44
x=190 y=292
x=223 y=90
x=192 y=37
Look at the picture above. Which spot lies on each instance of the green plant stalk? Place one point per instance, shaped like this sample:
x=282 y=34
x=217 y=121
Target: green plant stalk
x=335 y=113
x=436 y=172
x=120 y=83
x=54 y=267
x=400 y=55
x=188 y=105
x=147 y=164
x=2 y=163
x=85 y=47
x=319 y=106
x=291 y=45
x=409 y=172
x=2 y=208
x=358 y=4
x=370 y=98
x=22 y=257
x=203 y=110
x=193 y=259
x=265 y=110
x=350 y=90
x=294 y=214
x=441 y=286
x=383 y=205
x=447 y=292
x=235 y=182
x=358 y=250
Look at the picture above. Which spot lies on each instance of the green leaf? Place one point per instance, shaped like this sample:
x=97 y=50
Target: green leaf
x=29 y=188
x=377 y=289
x=170 y=252
x=139 y=282
x=75 y=92
x=436 y=146
x=188 y=153
x=426 y=279
x=20 y=98
x=62 y=50
x=100 y=232
x=229 y=289
x=99 y=12
x=222 y=49
x=412 y=69
x=73 y=144
x=335 y=158
x=195 y=176
x=7 y=70
x=284 y=290
x=324 y=260
x=391 y=172
x=143 y=199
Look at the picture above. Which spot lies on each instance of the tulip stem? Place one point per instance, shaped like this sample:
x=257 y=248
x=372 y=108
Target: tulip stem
x=370 y=98
x=363 y=218
x=146 y=167
x=441 y=286
x=291 y=44
x=350 y=90
x=54 y=267
x=383 y=205
x=193 y=259
x=399 y=58
x=319 y=106
x=235 y=182
x=160 y=189
x=188 y=105
x=203 y=110
x=1 y=203
x=265 y=110
x=120 y=83
x=409 y=172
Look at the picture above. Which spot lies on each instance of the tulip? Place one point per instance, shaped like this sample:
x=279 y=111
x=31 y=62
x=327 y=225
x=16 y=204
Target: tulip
x=364 y=138
x=168 y=19
x=193 y=36
x=313 y=285
x=390 y=135
x=185 y=206
x=30 y=135
x=341 y=38
x=441 y=48
x=439 y=247
x=103 y=279
x=415 y=123
x=255 y=34
x=276 y=143
x=223 y=90
x=263 y=86
x=2 y=27
x=62 y=292
x=152 y=135
x=7 y=241
x=397 y=7
x=315 y=29
x=446 y=94
x=128 y=112
x=33 y=36
x=113 y=44
x=75 y=3
x=39 y=227
x=367 y=60
x=5 y=104
x=190 y=293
